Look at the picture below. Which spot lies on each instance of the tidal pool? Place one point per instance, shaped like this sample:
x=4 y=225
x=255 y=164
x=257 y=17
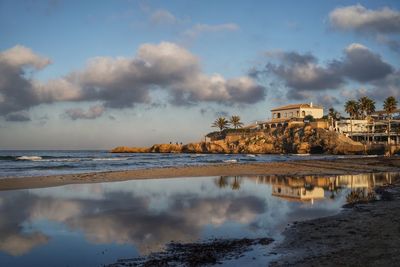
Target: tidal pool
x=97 y=224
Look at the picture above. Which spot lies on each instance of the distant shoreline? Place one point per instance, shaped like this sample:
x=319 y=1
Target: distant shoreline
x=289 y=168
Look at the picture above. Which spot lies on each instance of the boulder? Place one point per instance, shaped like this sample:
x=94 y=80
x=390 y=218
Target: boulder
x=193 y=148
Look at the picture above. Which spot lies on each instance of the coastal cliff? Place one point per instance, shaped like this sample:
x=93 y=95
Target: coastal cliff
x=298 y=140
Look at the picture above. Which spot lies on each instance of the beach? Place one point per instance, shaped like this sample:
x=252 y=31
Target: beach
x=287 y=168
x=366 y=234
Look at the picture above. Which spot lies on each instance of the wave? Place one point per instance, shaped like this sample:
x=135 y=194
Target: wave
x=109 y=159
x=230 y=161
x=59 y=158
x=63 y=160
x=53 y=167
x=31 y=158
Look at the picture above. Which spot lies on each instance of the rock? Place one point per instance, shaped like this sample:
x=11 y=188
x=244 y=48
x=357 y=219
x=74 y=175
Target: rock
x=303 y=148
x=166 y=148
x=298 y=139
x=193 y=148
x=219 y=146
x=125 y=149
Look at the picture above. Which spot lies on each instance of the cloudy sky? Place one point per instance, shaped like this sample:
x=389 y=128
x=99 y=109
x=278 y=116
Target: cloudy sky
x=99 y=74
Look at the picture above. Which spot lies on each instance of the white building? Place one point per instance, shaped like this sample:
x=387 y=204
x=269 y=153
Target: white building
x=297 y=111
x=351 y=126
x=299 y=193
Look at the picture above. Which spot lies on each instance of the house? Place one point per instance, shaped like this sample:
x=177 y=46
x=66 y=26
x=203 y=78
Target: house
x=382 y=114
x=347 y=126
x=297 y=111
x=289 y=115
x=297 y=193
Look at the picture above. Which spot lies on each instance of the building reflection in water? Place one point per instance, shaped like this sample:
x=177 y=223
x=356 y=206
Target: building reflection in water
x=310 y=188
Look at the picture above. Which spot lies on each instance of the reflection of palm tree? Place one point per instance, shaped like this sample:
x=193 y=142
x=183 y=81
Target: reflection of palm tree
x=236 y=183
x=221 y=182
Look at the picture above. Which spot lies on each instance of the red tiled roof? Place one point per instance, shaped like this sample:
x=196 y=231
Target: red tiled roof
x=294 y=106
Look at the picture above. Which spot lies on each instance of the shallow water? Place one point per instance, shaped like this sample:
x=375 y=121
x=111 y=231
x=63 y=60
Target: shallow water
x=17 y=163
x=96 y=224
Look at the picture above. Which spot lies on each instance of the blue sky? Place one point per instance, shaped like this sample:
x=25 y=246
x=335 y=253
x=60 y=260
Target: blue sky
x=204 y=59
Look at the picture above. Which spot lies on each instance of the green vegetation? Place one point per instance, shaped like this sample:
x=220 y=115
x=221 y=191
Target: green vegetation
x=367 y=106
x=309 y=118
x=390 y=105
x=221 y=123
x=352 y=108
x=235 y=122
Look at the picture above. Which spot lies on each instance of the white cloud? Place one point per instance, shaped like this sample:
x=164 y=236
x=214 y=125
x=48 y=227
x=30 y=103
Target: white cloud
x=381 y=24
x=359 y=18
x=162 y=17
x=19 y=56
x=122 y=82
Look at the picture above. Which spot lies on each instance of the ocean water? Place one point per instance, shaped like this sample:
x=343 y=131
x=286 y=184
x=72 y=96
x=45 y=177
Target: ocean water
x=19 y=163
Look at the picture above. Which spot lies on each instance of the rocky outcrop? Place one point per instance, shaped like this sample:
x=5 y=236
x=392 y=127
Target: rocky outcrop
x=298 y=140
x=126 y=149
x=165 y=148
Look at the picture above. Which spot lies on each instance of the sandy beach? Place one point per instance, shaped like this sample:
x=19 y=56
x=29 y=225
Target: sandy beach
x=292 y=168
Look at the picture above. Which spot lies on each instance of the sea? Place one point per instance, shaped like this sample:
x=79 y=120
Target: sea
x=23 y=163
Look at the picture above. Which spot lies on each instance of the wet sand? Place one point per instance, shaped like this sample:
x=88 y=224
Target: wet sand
x=291 y=168
x=363 y=235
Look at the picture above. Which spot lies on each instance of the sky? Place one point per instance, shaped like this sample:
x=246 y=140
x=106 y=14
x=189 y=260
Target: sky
x=100 y=74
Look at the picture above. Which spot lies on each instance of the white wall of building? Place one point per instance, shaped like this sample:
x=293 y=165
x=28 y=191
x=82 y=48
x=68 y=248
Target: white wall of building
x=345 y=126
x=317 y=113
x=298 y=113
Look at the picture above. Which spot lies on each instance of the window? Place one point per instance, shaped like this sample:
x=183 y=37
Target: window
x=303 y=113
x=285 y=115
x=298 y=114
x=278 y=115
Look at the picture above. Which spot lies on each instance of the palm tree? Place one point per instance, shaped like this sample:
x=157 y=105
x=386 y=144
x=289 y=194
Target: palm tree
x=333 y=114
x=220 y=123
x=370 y=107
x=389 y=105
x=235 y=122
x=367 y=106
x=351 y=107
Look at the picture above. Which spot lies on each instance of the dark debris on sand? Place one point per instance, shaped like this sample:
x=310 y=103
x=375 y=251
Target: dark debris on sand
x=196 y=254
